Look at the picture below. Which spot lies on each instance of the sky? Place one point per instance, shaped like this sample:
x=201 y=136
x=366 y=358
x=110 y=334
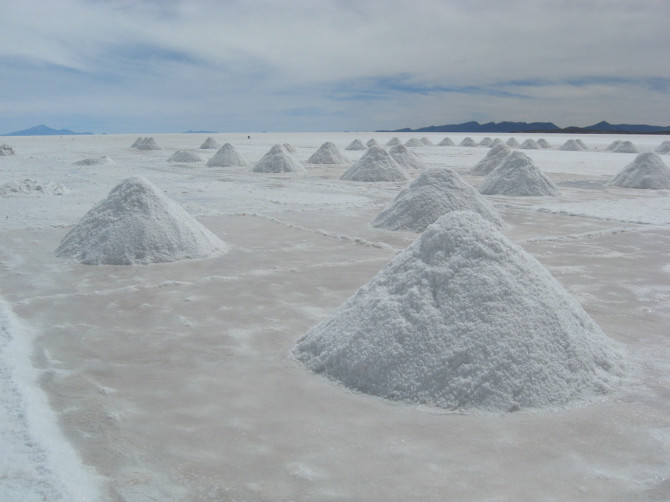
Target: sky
x=154 y=66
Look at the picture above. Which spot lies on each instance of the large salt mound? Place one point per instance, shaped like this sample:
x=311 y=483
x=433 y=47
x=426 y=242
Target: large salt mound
x=543 y=143
x=227 y=156
x=137 y=223
x=512 y=143
x=571 y=146
x=625 y=147
x=372 y=142
x=517 y=176
x=663 y=147
x=426 y=141
x=6 y=150
x=375 y=165
x=406 y=158
x=435 y=192
x=95 y=161
x=31 y=187
x=491 y=160
x=328 y=153
x=185 y=156
x=278 y=160
x=646 y=171
x=464 y=319
x=395 y=140
x=145 y=143
x=356 y=144
x=413 y=142
x=486 y=141
x=446 y=142
x=613 y=145
x=209 y=144
x=468 y=142
x=529 y=144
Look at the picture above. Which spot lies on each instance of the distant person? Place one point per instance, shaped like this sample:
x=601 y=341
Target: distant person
x=248 y=137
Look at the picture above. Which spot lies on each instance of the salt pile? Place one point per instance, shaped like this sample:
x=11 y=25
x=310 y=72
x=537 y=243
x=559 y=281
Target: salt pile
x=375 y=165
x=467 y=142
x=512 y=143
x=356 y=144
x=625 y=147
x=31 y=187
x=95 y=161
x=647 y=171
x=371 y=142
x=435 y=192
x=145 y=143
x=227 y=156
x=406 y=158
x=517 y=176
x=582 y=144
x=328 y=153
x=491 y=160
x=529 y=144
x=6 y=150
x=209 y=144
x=613 y=145
x=278 y=160
x=486 y=141
x=290 y=148
x=446 y=142
x=426 y=141
x=185 y=156
x=464 y=319
x=663 y=147
x=395 y=140
x=138 y=224
x=543 y=143
x=413 y=142
x=571 y=146
x=495 y=142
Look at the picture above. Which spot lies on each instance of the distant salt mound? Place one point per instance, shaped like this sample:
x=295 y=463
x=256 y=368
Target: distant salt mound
x=95 y=161
x=227 y=156
x=512 y=143
x=571 y=146
x=372 y=142
x=278 y=160
x=375 y=165
x=495 y=142
x=446 y=142
x=435 y=192
x=138 y=224
x=406 y=158
x=395 y=140
x=6 y=150
x=356 y=144
x=491 y=160
x=582 y=144
x=647 y=171
x=543 y=143
x=467 y=142
x=517 y=176
x=413 y=142
x=486 y=141
x=145 y=143
x=426 y=141
x=290 y=148
x=663 y=147
x=209 y=144
x=529 y=144
x=626 y=147
x=464 y=319
x=328 y=153
x=613 y=145
x=185 y=156
x=31 y=187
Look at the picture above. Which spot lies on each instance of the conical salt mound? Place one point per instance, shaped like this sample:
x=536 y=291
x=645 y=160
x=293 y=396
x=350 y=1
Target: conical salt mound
x=464 y=319
x=290 y=148
x=371 y=142
x=227 y=156
x=512 y=143
x=529 y=144
x=613 y=145
x=278 y=160
x=517 y=176
x=138 y=224
x=435 y=192
x=406 y=158
x=185 y=156
x=491 y=160
x=571 y=146
x=375 y=165
x=647 y=171
x=426 y=141
x=486 y=141
x=209 y=144
x=626 y=147
x=6 y=150
x=467 y=142
x=446 y=142
x=662 y=148
x=328 y=153
x=395 y=140
x=582 y=144
x=413 y=142
x=145 y=143
x=495 y=142
x=356 y=144
x=95 y=161
x=543 y=143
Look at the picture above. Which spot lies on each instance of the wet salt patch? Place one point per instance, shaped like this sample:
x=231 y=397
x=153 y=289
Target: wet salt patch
x=644 y=210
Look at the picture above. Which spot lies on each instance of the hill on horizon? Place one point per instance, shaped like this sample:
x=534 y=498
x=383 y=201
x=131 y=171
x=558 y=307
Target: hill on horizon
x=42 y=130
x=546 y=127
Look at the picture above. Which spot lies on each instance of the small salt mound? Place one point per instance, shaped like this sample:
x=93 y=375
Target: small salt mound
x=491 y=160
x=278 y=160
x=290 y=148
x=375 y=165
x=446 y=142
x=406 y=158
x=413 y=142
x=613 y=145
x=663 y=147
x=486 y=141
x=529 y=144
x=372 y=142
x=138 y=224
x=6 y=150
x=543 y=143
x=31 y=187
x=95 y=161
x=647 y=171
x=571 y=146
x=185 y=156
x=495 y=142
x=467 y=142
x=582 y=144
x=435 y=192
x=209 y=144
x=426 y=141
x=626 y=147
x=395 y=140
x=517 y=176
x=464 y=319
x=356 y=144
x=328 y=153
x=145 y=143
x=512 y=143
x=227 y=156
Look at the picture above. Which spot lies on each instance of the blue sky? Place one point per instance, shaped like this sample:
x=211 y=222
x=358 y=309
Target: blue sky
x=315 y=65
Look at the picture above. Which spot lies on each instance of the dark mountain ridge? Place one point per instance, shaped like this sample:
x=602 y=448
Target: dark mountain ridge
x=544 y=127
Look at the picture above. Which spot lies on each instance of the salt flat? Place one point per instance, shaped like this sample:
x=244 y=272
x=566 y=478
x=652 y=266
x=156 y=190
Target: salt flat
x=174 y=381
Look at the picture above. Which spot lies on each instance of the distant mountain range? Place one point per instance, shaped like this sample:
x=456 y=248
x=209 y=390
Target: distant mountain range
x=42 y=130
x=545 y=127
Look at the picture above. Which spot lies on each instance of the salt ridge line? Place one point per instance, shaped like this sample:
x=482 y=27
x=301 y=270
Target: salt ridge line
x=567 y=237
